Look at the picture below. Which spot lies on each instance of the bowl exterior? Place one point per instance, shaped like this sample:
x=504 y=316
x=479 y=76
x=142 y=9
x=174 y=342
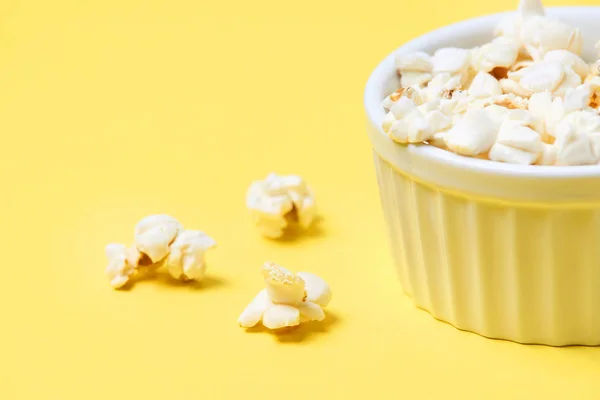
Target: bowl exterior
x=525 y=272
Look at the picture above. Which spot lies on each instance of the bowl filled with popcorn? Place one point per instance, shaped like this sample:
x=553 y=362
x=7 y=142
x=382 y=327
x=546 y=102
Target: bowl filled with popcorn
x=486 y=140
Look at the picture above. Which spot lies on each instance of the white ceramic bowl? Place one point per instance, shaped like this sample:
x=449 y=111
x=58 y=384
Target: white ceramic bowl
x=506 y=251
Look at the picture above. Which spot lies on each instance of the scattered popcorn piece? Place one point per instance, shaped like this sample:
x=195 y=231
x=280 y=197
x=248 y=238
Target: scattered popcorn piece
x=283 y=286
x=317 y=290
x=122 y=264
x=154 y=234
x=280 y=202
x=159 y=240
x=288 y=300
x=186 y=259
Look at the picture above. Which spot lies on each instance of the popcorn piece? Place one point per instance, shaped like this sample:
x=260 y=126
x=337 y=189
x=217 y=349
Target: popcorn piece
x=443 y=83
x=122 y=264
x=281 y=202
x=511 y=26
x=570 y=81
x=410 y=92
x=451 y=60
x=154 y=234
x=501 y=52
x=568 y=59
x=573 y=148
x=283 y=287
x=511 y=155
x=485 y=85
x=516 y=144
x=577 y=98
x=317 y=290
x=388 y=121
x=186 y=259
x=411 y=78
x=414 y=69
x=548 y=156
x=511 y=87
x=511 y=101
x=474 y=134
x=418 y=126
x=539 y=77
x=417 y=62
x=288 y=300
x=403 y=107
x=541 y=34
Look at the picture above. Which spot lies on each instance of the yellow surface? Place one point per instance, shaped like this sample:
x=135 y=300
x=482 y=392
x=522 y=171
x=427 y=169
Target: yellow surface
x=111 y=110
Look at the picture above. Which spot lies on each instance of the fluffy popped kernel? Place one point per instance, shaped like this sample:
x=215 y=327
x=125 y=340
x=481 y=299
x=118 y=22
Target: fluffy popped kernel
x=186 y=258
x=288 y=300
x=122 y=264
x=280 y=203
x=160 y=240
x=526 y=97
x=154 y=234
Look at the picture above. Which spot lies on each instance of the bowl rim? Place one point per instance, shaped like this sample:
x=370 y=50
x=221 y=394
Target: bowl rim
x=381 y=73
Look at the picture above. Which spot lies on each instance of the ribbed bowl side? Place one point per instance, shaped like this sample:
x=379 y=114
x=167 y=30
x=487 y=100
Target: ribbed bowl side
x=527 y=273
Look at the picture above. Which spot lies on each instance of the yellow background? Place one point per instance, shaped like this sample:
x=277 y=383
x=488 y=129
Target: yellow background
x=112 y=110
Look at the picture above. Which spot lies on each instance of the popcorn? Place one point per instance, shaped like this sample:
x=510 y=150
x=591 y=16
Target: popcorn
x=122 y=264
x=159 y=240
x=281 y=202
x=500 y=52
x=548 y=156
x=541 y=34
x=568 y=59
x=414 y=69
x=418 y=126
x=509 y=86
x=574 y=148
x=154 y=234
x=485 y=85
x=539 y=77
x=578 y=98
x=474 y=134
x=186 y=259
x=526 y=97
x=516 y=143
x=451 y=60
x=288 y=299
